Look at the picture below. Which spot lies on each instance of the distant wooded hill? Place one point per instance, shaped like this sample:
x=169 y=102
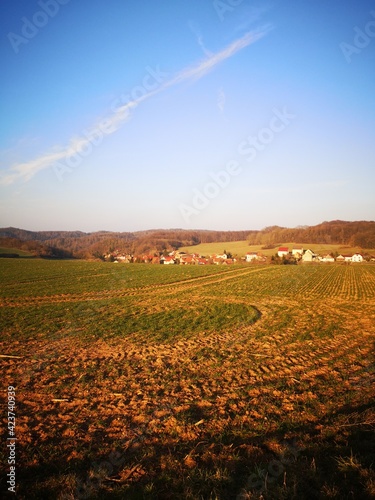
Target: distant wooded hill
x=67 y=244
x=355 y=234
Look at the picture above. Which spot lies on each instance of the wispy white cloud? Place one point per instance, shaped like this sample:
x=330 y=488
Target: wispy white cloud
x=199 y=37
x=26 y=170
x=196 y=72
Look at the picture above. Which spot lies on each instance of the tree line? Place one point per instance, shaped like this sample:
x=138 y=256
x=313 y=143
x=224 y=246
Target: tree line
x=357 y=234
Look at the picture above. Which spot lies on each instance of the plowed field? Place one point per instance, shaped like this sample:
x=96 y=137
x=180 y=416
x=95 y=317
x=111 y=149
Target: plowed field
x=171 y=382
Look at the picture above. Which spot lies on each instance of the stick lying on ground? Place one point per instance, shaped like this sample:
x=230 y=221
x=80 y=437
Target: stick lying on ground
x=9 y=356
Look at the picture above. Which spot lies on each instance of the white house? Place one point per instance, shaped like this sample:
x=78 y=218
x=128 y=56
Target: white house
x=282 y=251
x=223 y=256
x=308 y=256
x=250 y=256
x=357 y=257
x=168 y=260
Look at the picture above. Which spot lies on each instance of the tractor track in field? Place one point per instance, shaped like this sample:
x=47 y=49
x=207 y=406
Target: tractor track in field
x=293 y=360
x=218 y=367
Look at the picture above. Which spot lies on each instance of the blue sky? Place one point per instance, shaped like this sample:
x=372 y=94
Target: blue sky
x=138 y=114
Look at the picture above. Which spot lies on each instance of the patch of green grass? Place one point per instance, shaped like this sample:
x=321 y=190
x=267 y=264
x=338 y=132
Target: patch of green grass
x=21 y=253
x=24 y=278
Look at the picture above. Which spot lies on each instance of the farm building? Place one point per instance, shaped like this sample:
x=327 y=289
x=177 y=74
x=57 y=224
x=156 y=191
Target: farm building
x=167 y=260
x=357 y=257
x=308 y=256
x=250 y=256
x=223 y=256
x=187 y=259
x=282 y=251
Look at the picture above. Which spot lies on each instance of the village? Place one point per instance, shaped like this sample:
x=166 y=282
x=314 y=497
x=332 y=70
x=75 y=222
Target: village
x=284 y=255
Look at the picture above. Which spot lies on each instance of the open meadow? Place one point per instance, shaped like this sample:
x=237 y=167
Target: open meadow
x=189 y=382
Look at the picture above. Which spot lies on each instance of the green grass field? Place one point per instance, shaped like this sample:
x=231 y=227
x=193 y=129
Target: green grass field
x=195 y=382
x=21 y=253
